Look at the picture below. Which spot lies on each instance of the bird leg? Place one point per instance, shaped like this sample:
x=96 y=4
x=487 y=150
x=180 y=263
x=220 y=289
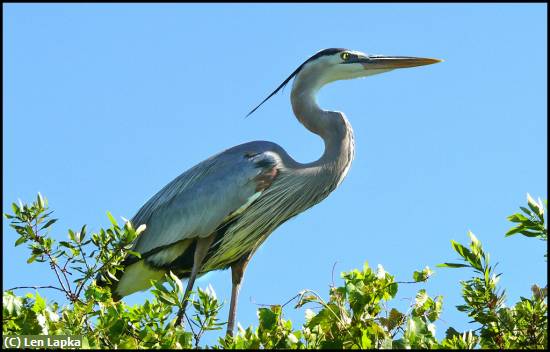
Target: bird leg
x=237 y=273
x=203 y=244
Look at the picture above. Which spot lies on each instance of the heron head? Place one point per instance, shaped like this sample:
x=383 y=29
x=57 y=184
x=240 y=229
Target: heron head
x=335 y=64
x=331 y=65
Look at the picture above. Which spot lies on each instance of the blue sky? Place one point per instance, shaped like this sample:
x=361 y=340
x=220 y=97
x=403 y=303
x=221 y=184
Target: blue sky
x=105 y=104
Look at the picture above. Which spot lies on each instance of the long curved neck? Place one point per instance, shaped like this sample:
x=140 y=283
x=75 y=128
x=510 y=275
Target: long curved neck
x=331 y=126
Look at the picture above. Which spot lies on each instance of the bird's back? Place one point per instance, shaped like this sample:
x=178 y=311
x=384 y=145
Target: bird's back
x=206 y=199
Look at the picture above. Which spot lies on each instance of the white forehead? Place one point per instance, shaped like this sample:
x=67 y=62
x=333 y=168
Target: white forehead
x=355 y=52
x=336 y=58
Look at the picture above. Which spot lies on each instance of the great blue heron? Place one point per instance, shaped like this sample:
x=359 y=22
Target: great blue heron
x=216 y=214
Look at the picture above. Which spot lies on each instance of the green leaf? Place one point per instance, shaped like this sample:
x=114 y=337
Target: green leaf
x=331 y=345
x=460 y=249
x=395 y=319
x=40 y=200
x=20 y=240
x=112 y=219
x=535 y=207
x=530 y=233
x=71 y=235
x=39 y=303
x=527 y=211
x=421 y=298
x=517 y=218
x=366 y=343
x=276 y=308
x=134 y=253
x=12 y=304
x=392 y=289
x=452 y=265
x=159 y=286
x=177 y=281
x=420 y=276
x=65 y=244
x=366 y=267
x=166 y=299
x=473 y=238
x=48 y=224
x=514 y=230
x=474 y=260
x=451 y=332
x=111 y=275
x=267 y=318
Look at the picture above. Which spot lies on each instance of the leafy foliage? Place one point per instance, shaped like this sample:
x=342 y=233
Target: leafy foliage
x=357 y=314
x=501 y=327
x=531 y=222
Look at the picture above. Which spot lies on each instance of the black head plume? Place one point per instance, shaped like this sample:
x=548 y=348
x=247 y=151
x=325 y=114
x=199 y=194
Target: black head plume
x=324 y=52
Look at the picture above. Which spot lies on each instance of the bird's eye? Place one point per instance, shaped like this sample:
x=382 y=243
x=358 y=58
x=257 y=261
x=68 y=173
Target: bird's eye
x=344 y=56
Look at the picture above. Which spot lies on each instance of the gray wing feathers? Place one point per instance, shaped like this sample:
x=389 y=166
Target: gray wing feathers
x=197 y=202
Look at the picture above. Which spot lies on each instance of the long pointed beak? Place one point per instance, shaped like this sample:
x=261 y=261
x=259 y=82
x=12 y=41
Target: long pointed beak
x=393 y=62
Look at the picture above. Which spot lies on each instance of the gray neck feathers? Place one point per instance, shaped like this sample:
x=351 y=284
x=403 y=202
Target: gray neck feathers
x=298 y=186
x=331 y=126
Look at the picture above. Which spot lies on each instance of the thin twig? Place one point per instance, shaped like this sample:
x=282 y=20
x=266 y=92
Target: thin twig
x=332 y=275
x=290 y=300
x=271 y=305
x=83 y=255
x=36 y=288
x=189 y=321
x=407 y=282
x=53 y=263
x=54 y=266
